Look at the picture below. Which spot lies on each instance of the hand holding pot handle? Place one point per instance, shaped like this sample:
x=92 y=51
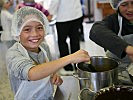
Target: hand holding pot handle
x=129 y=51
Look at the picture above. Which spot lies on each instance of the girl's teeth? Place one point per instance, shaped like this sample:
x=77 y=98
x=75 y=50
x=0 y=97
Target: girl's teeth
x=34 y=40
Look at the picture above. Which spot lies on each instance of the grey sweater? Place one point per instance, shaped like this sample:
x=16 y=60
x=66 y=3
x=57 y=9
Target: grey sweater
x=105 y=34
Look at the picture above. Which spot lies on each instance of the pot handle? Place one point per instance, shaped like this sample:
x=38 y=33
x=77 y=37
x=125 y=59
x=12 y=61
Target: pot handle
x=79 y=78
x=121 y=69
x=91 y=93
x=124 y=76
x=88 y=90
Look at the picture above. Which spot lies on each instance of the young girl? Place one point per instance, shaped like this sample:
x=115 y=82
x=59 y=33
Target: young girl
x=29 y=67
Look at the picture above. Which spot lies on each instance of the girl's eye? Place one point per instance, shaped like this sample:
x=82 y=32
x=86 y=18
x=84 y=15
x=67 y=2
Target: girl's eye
x=40 y=27
x=26 y=30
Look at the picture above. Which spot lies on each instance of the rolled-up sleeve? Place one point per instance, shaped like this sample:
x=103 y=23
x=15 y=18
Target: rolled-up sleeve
x=108 y=39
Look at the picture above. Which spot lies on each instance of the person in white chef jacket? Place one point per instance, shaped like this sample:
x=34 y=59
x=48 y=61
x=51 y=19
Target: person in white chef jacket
x=6 y=20
x=68 y=15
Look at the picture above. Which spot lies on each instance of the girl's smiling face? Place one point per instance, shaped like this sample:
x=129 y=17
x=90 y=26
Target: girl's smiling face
x=126 y=10
x=32 y=35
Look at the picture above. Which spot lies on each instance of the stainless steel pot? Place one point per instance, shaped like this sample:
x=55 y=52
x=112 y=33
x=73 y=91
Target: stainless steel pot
x=101 y=73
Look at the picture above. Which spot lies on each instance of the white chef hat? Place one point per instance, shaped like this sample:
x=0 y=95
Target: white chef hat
x=116 y=3
x=24 y=15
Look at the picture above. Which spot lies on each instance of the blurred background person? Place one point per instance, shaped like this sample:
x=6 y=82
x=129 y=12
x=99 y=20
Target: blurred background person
x=68 y=21
x=6 y=21
x=1 y=4
x=34 y=4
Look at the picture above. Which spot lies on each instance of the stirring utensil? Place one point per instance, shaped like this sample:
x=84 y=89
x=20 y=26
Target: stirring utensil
x=90 y=67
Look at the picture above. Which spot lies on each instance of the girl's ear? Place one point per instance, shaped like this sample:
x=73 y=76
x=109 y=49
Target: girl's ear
x=17 y=38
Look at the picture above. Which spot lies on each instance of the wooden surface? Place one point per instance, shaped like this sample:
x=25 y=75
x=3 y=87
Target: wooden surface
x=106 y=9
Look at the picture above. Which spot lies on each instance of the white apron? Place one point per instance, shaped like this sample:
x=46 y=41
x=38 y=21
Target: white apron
x=35 y=90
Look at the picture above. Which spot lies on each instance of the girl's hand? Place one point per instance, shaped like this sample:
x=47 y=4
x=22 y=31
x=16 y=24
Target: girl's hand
x=80 y=56
x=56 y=80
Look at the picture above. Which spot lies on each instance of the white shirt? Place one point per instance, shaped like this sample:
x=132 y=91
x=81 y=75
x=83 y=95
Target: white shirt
x=65 y=10
x=6 y=21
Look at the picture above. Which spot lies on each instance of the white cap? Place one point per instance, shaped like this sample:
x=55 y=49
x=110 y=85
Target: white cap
x=116 y=3
x=24 y=15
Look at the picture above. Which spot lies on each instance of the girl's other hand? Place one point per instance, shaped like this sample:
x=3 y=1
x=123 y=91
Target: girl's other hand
x=56 y=79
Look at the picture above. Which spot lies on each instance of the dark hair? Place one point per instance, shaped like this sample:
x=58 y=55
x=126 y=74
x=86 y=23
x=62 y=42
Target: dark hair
x=118 y=11
x=29 y=1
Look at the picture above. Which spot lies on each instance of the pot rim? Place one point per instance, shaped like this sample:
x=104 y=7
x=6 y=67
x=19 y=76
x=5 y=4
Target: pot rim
x=99 y=71
x=106 y=57
x=118 y=62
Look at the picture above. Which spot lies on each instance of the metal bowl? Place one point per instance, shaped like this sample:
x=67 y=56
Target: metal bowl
x=118 y=92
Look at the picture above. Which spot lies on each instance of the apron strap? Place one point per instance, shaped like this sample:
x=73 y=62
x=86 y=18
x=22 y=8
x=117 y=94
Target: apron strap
x=45 y=53
x=120 y=25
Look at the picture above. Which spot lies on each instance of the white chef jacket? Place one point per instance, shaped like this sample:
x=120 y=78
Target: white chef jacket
x=65 y=10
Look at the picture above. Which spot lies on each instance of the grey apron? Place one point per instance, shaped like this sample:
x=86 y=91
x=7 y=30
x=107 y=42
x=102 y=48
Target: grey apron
x=129 y=39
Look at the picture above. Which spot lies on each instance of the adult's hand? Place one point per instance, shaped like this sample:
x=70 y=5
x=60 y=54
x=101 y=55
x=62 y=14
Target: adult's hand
x=129 y=51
